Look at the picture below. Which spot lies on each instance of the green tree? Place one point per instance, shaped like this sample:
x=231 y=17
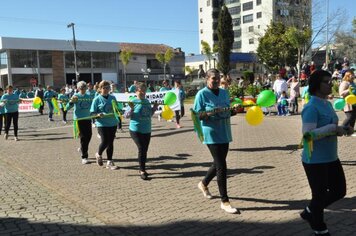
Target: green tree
x=189 y=70
x=225 y=40
x=165 y=58
x=274 y=50
x=298 y=38
x=125 y=57
x=208 y=51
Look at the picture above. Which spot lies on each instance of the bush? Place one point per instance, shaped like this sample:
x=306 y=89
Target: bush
x=236 y=91
x=253 y=90
x=248 y=76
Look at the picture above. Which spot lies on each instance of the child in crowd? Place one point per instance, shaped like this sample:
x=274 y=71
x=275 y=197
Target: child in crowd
x=63 y=99
x=282 y=104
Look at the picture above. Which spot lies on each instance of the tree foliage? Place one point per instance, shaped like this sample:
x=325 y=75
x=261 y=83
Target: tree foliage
x=274 y=49
x=225 y=40
x=165 y=58
x=208 y=51
x=125 y=57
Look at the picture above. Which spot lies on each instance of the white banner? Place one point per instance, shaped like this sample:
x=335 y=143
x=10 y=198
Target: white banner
x=152 y=97
x=25 y=105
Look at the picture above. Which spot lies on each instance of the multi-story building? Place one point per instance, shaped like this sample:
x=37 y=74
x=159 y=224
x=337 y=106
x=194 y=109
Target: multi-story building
x=250 y=19
x=27 y=62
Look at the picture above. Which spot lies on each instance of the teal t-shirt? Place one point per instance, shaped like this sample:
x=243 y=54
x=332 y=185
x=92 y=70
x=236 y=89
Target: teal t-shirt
x=81 y=107
x=23 y=95
x=48 y=95
x=321 y=113
x=63 y=98
x=141 y=116
x=11 y=102
x=217 y=128
x=101 y=104
x=164 y=89
x=30 y=94
x=132 y=89
x=91 y=93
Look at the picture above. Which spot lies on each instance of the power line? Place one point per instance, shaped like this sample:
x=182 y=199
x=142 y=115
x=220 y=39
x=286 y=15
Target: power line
x=86 y=25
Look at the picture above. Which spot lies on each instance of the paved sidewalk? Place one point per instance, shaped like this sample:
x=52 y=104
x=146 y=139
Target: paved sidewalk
x=45 y=188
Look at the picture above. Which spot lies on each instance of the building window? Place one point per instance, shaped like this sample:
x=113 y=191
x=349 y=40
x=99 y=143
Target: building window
x=237 y=33
x=247 y=6
x=250 y=29
x=231 y=1
x=23 y=58
x=208 y=3
x=235 y=10
x=258 y=26
x=201 y=20
x=258 y=15
x=236 y=45
x=283 y=12
x=104 y=59
x=251 y=41
x=3 y=60
x=201 y=31
x=201 y=9
x=236 y=21
x=247 y=18
x=45 y=59
x=258 y=2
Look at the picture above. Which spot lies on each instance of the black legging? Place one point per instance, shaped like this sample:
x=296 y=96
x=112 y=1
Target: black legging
x=328 y=184
x=12 y=116
x=85 y=136
x=218 y=168
x=142 y=142
x=350 y=117
x=295 y=105
x=2 y=121
x=64 y=114
x=107 y=135
x=179 y=114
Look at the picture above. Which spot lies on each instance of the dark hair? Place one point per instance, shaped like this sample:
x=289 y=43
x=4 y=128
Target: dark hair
x=315 y=80
x=1 y=90
x=211 y=71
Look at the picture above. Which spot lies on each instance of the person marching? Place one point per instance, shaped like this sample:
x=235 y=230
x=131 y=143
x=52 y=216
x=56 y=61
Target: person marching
x=63 y=100
x=10 y=101
x=81 y=102
x=48 y=95
x=40 y=93
x=179 y=113
x=106 y=123
x=2 y=111
x=210 y=103
x=321 y=163
x=140 y=112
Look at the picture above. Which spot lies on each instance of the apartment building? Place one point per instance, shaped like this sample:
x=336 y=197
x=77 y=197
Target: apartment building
x=250 y=19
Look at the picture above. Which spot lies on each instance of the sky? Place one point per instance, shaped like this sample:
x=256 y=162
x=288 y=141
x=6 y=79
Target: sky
x=170 y=22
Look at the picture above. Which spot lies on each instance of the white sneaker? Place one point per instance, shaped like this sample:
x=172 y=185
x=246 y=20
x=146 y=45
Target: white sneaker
x=85 y=161
x=64 y=122
x=353 y=135
x=226 y=206
x=93 y=125
x=110 y=165
x=16 y=139
x=159 y=117
x=205 y=190
x=98 y=135
x=6 y=136
x=99 y=159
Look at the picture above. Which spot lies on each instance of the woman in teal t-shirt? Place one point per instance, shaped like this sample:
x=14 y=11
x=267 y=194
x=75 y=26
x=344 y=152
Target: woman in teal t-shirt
x=2 y=111
x=106 y=123
x=140 y=112
x=11 y=105
x=212 y=104
x=322 y=166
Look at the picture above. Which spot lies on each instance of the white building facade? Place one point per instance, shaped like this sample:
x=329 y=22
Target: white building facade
x=250 y=19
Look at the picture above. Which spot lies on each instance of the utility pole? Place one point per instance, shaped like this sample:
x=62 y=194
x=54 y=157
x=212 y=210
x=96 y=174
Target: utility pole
x=75 y=52
x=327 y=34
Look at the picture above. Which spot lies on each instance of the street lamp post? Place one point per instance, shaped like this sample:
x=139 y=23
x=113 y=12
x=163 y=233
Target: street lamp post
x=71 y=25
x=146 y=73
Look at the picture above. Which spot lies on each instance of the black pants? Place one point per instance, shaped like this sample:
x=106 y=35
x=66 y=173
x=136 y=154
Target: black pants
x=85 y=136
x=295 y=105
x=218 y=169
x=179 y=114
x=350 y=117
x=107 y=140
x=328 y=184
x=2 y=121
x=40 y=110
x=12 y=116
x=142 y=142
x=64 y=114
